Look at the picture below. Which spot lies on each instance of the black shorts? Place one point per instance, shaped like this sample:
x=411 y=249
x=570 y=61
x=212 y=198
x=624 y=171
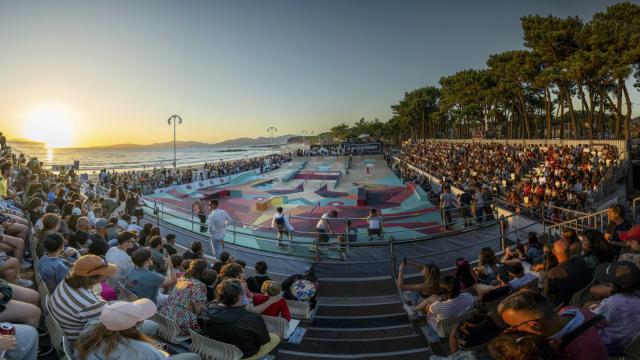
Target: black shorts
x=322 y=235
x=375 y=232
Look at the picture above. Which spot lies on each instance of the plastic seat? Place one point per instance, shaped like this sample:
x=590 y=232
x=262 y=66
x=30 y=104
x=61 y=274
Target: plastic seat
x=68 y=349
x=210 y=349
x=276 y=325
x=583 y=296
x=56 y=333
x=632 y=350
x=43 y=291
x=124 y=294
x=299 y=309
x=169 y=330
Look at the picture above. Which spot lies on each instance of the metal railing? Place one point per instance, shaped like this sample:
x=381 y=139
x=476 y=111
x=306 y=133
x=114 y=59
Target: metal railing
x=598 y=220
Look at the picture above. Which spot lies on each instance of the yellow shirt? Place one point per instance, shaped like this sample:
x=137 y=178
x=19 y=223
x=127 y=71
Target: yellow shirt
x=4 y=186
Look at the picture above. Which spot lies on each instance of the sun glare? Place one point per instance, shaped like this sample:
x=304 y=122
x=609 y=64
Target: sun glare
x=49 y=124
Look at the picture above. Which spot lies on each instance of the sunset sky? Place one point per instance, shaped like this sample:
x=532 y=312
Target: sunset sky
x=111 y=72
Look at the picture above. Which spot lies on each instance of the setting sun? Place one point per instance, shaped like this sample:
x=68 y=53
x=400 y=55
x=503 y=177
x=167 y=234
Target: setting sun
x=49 y=124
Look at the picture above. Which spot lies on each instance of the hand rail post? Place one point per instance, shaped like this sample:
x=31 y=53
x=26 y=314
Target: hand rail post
x=289 y=236
x=192 y=219
x=392 y=251
x=502 y=237
x=234 y=232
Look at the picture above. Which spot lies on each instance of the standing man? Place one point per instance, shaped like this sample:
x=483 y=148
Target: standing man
x=198 y=208
x=323 y=227
x=218 y=220
x=479 y=198
x=446 y=204
x=282 y=225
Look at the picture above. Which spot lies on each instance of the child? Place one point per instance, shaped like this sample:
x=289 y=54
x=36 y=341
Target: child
x=52 y=268
x=177 y=262
x=375 y=224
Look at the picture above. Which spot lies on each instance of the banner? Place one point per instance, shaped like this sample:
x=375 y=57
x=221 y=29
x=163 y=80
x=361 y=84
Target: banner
x=362 y=147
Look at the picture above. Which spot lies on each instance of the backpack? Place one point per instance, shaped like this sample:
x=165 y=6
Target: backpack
x=280 y=223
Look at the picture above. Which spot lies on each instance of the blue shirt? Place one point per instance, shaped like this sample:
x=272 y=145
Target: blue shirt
x=52 y=270
x=144 y=283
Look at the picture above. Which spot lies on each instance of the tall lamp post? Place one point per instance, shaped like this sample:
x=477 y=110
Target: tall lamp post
x=175 y=119
x=272 y=129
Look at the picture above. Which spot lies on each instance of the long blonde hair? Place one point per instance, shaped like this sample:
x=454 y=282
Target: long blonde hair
x=109 y=340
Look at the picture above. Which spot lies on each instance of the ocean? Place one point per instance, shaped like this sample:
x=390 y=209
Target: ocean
x=94 y=159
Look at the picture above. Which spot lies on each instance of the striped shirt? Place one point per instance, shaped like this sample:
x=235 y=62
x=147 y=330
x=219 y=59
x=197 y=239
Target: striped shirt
x=443 y=310
x=74 y=308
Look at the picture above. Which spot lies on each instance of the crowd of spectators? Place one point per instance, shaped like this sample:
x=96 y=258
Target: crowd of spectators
x=148 y=180
x=107 y=276
x=525 y=175
x=572 y=298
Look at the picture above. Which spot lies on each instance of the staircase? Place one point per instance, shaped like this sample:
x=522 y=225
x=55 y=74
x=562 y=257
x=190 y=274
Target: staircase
x=357 y=318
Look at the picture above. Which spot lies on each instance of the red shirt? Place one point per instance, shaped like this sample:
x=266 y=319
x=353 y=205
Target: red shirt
x=278 y=309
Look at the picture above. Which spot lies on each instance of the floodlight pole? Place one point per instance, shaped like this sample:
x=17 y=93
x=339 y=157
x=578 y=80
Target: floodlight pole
x=175 y=119
x=272 y=129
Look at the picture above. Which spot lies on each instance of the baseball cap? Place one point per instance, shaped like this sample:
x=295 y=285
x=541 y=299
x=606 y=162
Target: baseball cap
x=92 y=265
x=122 y=225
x=134 y=219
x=76 y=211
x=621 y=273
x=632 y=234
x=101 y=224
x=122 y=315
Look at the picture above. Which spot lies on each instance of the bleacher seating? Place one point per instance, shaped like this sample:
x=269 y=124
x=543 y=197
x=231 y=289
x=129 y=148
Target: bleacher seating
x=210 y=349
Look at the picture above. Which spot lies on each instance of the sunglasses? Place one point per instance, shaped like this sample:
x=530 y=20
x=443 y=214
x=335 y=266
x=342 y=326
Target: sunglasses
x=515 y=327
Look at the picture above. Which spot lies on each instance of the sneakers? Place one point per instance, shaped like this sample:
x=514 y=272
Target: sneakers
x=24 y=283
x=25 y=265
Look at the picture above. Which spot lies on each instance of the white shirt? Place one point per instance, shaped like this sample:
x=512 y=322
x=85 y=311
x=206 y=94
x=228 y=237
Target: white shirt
x=374 y=222
x=322 y=223
x=218 y=220
x=122 y=259
x=287 y=225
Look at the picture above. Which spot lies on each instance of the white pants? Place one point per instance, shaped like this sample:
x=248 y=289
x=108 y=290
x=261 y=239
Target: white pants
x=216 y=247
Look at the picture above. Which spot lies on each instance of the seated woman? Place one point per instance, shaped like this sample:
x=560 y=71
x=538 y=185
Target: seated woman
x=465 y=276
x=519 y=345
x=229 y=322
x=279 y=309
x=425 y=289
x=187 y=298
x=19 y=304
x=488 y=266
x=595 y=249
x=116 y=336
x=11 y=244
x=453 y=303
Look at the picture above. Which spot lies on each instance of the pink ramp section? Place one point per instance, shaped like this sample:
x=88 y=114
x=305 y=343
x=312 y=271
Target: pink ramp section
x=297 y=189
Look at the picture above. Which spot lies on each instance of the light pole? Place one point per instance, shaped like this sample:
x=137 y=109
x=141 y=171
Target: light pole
x=272 y=129
x=175 y=119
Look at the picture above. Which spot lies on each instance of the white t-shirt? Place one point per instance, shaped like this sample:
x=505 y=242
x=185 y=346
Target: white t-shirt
x=322 y=223
x=218 y=220
x=122 y=259
x=374 y=222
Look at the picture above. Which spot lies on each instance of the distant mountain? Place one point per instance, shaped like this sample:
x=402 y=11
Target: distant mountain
x=26 y=142
x=263 y=140
x=166 y=144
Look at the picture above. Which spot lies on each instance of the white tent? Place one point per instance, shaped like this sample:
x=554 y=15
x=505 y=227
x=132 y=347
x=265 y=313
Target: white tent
x=363 y=136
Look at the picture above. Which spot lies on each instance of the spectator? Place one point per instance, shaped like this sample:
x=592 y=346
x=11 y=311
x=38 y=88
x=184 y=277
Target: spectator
x=254 y=283
x=488 y=265
x=324 y=228
x=187 y=298
x=571 y=237
x=19 y=304
x=225 y=259
x=195 y=252
x=81 y=235
x=280 y=308
x=617 y=223
x=571 y=330
x=571 y=274
x=519 y=345
x=621 y=308
x=210 y=278
x=465 y=276
x=534 y=251
x=446 y=205
x=465 y=200
x=21 y=346
x=177 y=262
x=117 y=336
x=518 y=277
x=170 y=245
x=218 y=220
x=146 y=283
x=229 y=322
x=427 y=288
x=632 y=240
x=97 y=242
x=595 y=249
x=73 y=303
x=473 y=332
x=156 y=246
x=118 y=255
x=453 y=303
x=52 y=268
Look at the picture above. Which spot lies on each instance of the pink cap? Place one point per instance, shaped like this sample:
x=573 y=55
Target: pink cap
x=122 y=315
